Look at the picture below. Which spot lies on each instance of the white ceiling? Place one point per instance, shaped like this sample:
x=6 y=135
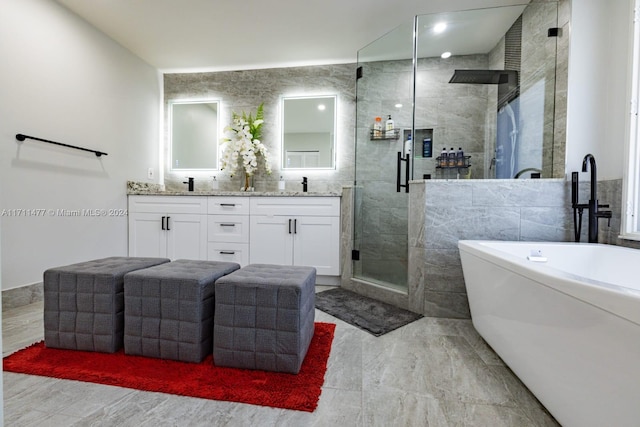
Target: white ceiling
x=213 y=35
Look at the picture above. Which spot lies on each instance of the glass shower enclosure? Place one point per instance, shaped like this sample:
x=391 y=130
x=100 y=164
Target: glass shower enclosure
x=449 y=85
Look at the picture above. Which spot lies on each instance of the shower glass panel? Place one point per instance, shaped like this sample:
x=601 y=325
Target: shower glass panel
x=479 y=84
x=385 y=89
x=494 y=97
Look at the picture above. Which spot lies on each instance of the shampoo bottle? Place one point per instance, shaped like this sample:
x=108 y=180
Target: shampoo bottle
x=408 y=146
x=452 y=157
x=460 y=157
x=389 y=128
x=444 y=158
x=377 y=128
x=426 y=147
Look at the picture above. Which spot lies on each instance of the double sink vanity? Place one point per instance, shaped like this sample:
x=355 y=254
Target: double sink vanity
x=244 y=227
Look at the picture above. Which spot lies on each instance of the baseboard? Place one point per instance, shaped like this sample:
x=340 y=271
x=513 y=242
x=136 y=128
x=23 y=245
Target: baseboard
x=24 y=295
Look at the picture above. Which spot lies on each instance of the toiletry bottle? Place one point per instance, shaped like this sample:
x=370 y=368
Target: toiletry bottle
x=426 y=147
x=452 y=157
x=377 y=128
x=281 y=184
x=460 y=157
x=389 y=129
x=444 y=157
x=408 y=146
x=214 y=183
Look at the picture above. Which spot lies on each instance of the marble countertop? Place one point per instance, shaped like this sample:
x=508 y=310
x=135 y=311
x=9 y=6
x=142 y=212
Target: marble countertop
x=147 y=189
x=235 y=193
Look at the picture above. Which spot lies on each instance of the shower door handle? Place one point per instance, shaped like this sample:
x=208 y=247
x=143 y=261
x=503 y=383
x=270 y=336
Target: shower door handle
x=399 y=173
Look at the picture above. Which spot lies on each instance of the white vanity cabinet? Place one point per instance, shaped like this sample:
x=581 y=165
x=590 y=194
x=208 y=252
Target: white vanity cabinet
x=296 y=231
x=174 y=227
x=228 y=229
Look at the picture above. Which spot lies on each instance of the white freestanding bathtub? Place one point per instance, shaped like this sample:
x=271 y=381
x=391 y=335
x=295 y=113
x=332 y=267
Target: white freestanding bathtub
x=567 y=323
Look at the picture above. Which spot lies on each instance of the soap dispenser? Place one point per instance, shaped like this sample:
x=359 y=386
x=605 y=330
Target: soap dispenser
x=214 y=183
x=389 y=128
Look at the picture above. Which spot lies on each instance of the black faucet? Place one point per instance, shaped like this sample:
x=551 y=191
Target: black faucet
x=190 y=182
x=593 y=206
x=304 y=184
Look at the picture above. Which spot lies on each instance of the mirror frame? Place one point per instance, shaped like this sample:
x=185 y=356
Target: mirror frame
x=171 y=103
x=333 y=143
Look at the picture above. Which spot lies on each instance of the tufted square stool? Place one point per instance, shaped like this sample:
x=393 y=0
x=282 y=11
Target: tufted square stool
x=169 y=309
x=264 y=317
x=84 y=303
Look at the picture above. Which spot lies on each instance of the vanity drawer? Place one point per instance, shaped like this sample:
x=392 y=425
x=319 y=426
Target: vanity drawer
x=295 y=206
x=228 y=205
x=229 y=252
x=168 y=204
x=228 y=228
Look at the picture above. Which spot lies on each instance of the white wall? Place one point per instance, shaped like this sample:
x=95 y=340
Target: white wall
x=599 y=69
x=61 y=79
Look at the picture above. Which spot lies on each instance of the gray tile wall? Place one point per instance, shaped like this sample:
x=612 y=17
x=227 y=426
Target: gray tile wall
x=610 y=192
x=244 y=91
x=534 y=210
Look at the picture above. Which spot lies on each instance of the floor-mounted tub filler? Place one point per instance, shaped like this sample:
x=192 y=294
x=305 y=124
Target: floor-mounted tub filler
x=565 y=317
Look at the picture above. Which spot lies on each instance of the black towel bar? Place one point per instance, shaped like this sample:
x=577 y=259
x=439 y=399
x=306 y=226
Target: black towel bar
x=21 y=137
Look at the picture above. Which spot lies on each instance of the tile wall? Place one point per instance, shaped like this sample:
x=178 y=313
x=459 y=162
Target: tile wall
x=244 y=90
x=533 y=210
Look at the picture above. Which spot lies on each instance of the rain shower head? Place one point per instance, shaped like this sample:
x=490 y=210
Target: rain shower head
x=507 y=81
x=482 y=77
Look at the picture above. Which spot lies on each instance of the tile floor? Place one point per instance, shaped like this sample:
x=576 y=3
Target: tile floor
x=433 y=372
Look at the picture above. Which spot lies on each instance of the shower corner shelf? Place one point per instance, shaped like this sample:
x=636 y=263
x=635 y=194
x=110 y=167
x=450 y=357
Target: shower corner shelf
x=385 y=135
x=465 y=164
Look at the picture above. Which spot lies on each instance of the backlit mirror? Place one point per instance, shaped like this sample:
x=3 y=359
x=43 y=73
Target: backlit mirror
x=308 y=132
x=194 y=128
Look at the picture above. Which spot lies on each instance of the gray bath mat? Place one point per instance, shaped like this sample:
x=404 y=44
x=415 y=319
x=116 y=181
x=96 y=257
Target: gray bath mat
x=373 y=316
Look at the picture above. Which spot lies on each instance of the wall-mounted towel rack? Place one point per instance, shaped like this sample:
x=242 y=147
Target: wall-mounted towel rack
x=21 y=137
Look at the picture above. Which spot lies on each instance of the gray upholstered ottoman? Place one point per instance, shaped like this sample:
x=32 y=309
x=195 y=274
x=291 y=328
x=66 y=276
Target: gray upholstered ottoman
x=84 y=303
x=264 y=317
x=169 y=309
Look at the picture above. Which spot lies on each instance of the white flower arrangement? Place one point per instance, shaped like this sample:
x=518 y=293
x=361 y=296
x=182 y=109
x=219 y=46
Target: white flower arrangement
x=243 y=145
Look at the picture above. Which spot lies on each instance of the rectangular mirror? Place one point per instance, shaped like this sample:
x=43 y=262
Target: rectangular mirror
x=194 y=132
x=308 y=132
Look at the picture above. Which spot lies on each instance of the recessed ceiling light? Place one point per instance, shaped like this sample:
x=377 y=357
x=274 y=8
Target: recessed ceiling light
x=398 y=105
x=440 y=27
x=321 y=107
x=445 y=55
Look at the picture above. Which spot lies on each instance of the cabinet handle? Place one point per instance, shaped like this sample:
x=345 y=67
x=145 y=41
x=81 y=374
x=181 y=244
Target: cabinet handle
x=227 y=204
x=295 y=226
x=227 y=225
x=289 y=226
x=168 y=223
x=163 y=222
x=227 y=252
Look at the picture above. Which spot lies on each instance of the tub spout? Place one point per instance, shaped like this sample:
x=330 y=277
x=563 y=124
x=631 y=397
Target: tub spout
x=593 y=207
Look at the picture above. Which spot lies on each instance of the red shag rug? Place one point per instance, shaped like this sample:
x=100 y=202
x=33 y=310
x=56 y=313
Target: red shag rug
x=204 y=380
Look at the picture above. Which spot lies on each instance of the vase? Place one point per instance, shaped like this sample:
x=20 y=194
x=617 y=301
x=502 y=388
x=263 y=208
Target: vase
x=248 y=183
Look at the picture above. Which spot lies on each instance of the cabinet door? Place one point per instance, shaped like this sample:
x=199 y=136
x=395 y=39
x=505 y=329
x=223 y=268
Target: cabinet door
x=317 y=244
x=146 y=237
x=187 y=236
x=271 y=240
